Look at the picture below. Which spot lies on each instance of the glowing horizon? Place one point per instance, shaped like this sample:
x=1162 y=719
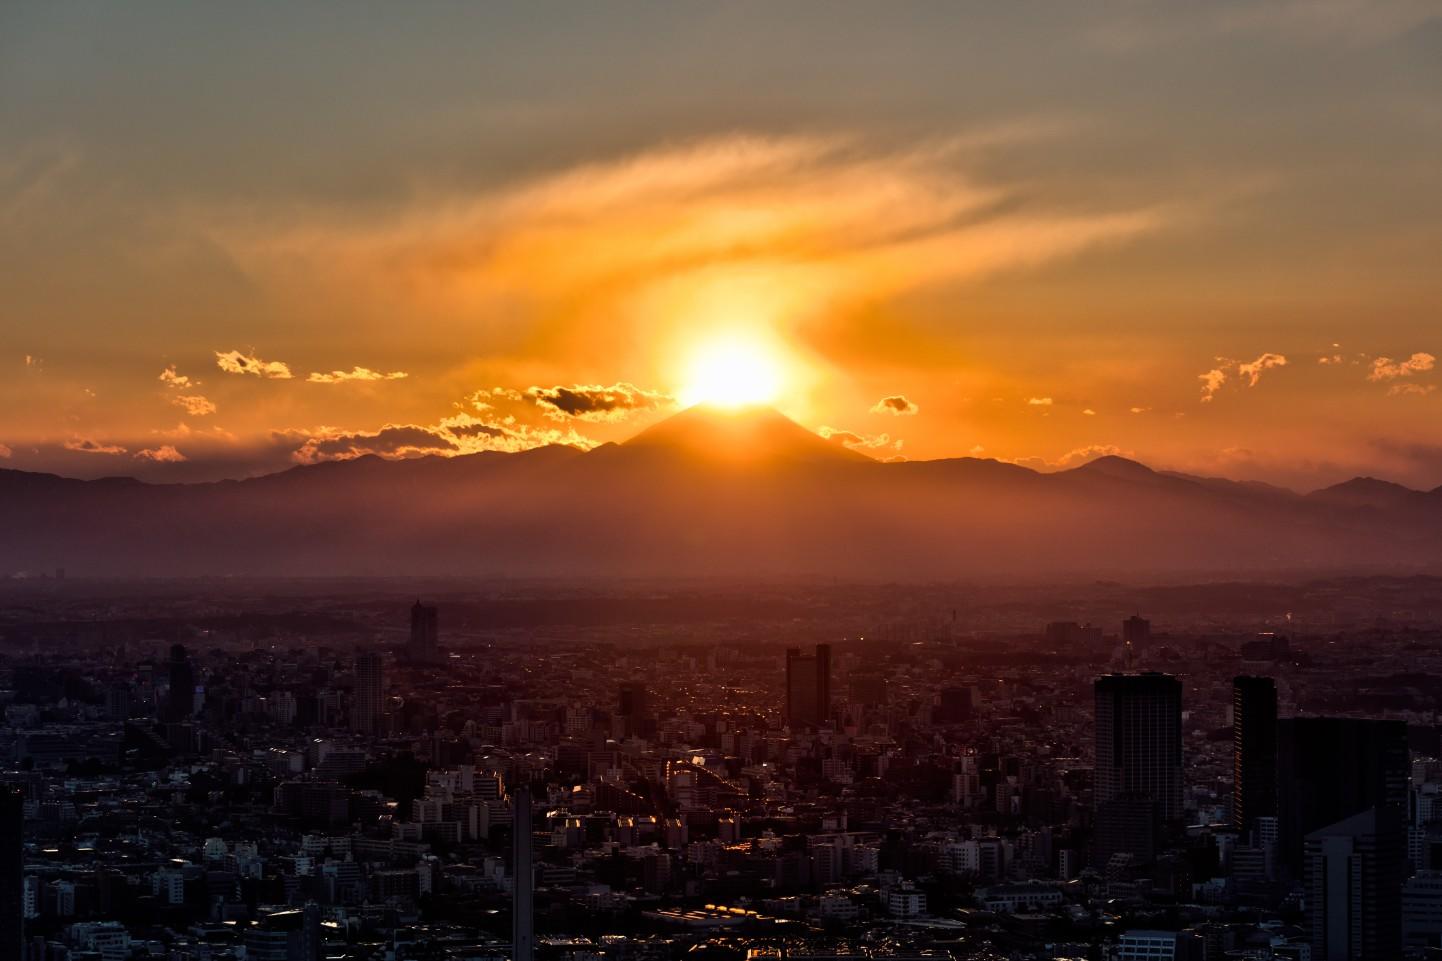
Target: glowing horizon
x=251 y=273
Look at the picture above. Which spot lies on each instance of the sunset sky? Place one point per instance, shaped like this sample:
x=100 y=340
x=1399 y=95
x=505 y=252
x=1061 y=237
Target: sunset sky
x=234 y=238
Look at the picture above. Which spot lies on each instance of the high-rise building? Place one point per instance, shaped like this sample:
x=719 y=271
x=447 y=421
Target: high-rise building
x=367 y=705
x=808 y=686
x=1254 y=751
x=1139 y=741
x=424 y=645
x=953 y=705
x=1330 y=768
x=1354 y=874
x=634 y=708
x=12 y=873
x=180 y=702
x=523 y=921
x=1137 y=632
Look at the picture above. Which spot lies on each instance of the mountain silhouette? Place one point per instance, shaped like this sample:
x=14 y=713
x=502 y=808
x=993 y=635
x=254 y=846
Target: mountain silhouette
x=712 y=492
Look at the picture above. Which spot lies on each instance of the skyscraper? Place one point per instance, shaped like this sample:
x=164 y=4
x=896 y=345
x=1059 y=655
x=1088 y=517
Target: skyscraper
x=808 y=686
x=12 y=873
x=634 y=708
x=424 y=646
x=368 y=702
x=1254 y=751
x=1137 y=632
x=1330 y=768
x=1139 y=741
x=180 y=702
x=523 y=899
x=1354 y=874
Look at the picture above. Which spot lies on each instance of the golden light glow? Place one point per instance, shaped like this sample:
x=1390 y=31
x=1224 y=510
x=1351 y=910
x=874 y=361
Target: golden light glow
x=733 y=370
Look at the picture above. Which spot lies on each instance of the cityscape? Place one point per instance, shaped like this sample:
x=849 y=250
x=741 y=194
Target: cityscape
x=723 y=480
x=304 y=772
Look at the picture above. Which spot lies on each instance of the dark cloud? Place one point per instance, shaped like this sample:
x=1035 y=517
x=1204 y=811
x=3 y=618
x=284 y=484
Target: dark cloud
x=855 y=441
x=595 y=402
x=87 y=446
x=391 y=441
x=896 y=404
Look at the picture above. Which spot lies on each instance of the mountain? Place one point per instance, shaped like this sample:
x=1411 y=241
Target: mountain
x=707 y=492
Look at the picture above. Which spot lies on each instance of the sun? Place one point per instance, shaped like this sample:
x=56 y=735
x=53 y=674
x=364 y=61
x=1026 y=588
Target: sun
x=731 y=371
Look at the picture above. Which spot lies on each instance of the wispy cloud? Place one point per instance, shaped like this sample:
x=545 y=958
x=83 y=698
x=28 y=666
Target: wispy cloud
x=196 y=405
x=1039 y=401
x=772 y=229
x=236 y=362
x=354 y=374
x=85 y=445
x=1249 y=372
x=5 y=452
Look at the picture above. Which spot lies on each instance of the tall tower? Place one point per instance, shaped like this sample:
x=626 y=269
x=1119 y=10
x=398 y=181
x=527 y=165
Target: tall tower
x=180 y=702
x=1139 y=741
x=369 y=696
x=12 y=873
x=424 y=644
x=523 y=919
x=808 y=686
x=1254 y=751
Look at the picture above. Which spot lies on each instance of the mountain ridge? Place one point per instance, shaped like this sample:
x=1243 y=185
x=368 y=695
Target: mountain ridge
x=752 y=494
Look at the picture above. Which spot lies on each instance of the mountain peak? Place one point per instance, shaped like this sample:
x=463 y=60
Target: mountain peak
x=1112 y=465
x=1366 y=492
x=744 y=434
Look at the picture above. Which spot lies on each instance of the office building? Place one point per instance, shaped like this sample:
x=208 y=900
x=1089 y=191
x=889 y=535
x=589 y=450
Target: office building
x=1254 y=751
x=1139 y=741
x=1422 y=910
x=12 y=873
x=523 y=896
x=424 y=644
x=1354 y=877
x=808 y=686
x=635 y=711
x=1137 y=633
x=953 y=705
x=368 y=704
x=1331 y=768
x=180 y=700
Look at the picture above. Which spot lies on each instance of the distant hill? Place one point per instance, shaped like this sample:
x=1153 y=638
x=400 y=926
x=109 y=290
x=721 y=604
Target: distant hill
x=708 y=492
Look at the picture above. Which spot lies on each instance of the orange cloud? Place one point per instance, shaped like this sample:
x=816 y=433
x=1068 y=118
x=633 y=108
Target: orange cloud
x=235 y=362
x=165 y=454
x=896 y=404
x=1385 y=368
x=855 y=441
x=88 y=446
x=354 y=374
x=1253 y=371
x=671 y=242
x=1250 y=371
